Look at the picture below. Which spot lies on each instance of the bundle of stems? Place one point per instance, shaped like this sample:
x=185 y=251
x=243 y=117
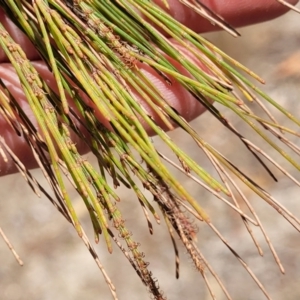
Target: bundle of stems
x=95 y=49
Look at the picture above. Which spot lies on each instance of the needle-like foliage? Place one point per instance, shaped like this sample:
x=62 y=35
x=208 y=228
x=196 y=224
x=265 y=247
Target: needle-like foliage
x=95 y=48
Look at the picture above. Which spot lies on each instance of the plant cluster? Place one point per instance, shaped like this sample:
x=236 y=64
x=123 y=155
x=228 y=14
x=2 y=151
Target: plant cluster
x=95 y=49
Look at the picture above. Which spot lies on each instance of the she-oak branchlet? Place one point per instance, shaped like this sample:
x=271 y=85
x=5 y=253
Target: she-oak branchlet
x=94 y=50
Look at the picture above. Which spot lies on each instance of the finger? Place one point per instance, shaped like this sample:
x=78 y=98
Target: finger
x=177 y=96
x=174 y=94
x=19 y=38
x=236 y=12
x=17 y=143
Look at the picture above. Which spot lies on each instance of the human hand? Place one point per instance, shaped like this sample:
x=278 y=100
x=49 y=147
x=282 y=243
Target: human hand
x=236 y=12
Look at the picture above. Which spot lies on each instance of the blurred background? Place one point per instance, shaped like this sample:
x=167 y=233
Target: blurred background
x=58 y=266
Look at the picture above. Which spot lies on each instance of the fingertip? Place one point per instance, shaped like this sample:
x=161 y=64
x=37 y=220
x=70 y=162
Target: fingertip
x=236 y=12
x=171 y=91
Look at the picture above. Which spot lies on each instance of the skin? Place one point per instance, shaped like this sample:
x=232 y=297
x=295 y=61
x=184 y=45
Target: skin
x=236 y=12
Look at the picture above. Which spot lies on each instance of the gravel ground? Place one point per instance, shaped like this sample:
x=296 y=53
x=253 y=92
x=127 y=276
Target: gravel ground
x=58 y=266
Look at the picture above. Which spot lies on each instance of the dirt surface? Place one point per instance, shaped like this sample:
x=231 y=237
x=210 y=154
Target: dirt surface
x=58 y=266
